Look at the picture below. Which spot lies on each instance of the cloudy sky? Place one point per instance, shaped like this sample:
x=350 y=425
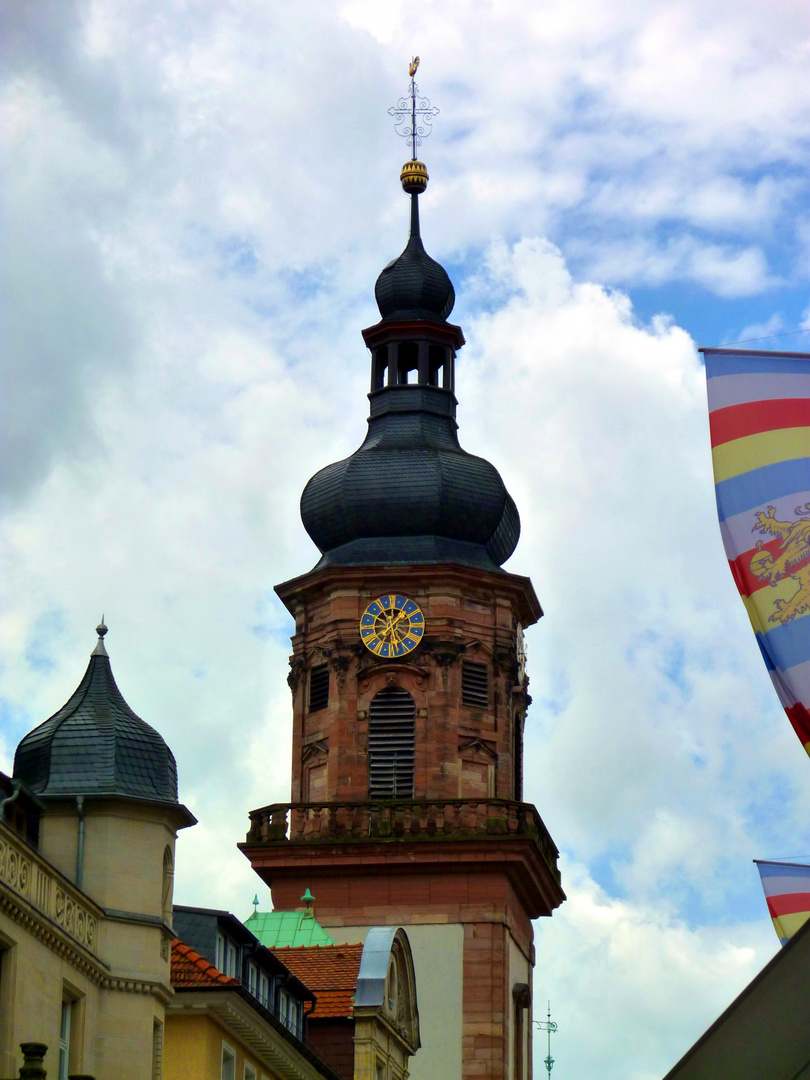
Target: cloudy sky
x=198 y=198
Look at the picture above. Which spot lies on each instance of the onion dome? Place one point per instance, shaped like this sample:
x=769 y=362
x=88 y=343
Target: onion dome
x=96 y=745
x=410 y=494
x=414 y=286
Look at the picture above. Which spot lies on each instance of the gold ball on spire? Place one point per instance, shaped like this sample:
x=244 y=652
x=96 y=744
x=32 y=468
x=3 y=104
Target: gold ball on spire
x=414 y=177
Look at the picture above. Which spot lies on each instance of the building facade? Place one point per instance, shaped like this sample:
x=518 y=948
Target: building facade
x=87 y=834
x=410 y=697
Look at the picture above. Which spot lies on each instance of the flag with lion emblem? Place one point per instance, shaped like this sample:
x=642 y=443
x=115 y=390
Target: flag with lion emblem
x=759 y=416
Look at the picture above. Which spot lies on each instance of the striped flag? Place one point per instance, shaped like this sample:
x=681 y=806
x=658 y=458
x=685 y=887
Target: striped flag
x=759 y=416
x=787 y=893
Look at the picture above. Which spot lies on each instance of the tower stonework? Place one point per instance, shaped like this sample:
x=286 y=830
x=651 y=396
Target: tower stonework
x=410 y=697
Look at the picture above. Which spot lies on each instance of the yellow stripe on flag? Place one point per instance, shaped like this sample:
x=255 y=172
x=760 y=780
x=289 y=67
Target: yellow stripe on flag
x=787 y=925
x=762 y=604
x=755 y=451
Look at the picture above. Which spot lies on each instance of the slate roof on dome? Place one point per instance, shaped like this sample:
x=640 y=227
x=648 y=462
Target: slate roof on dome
x=96 y=745
x=411 y=493
x=414 y=286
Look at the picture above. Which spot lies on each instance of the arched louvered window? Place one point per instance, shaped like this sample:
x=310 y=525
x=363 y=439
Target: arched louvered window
x=391 y=737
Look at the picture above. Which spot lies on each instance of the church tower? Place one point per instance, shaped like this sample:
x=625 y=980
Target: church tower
x=410 y=697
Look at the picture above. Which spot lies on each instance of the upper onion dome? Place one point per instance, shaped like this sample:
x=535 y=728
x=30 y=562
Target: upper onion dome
x=96 y=745
x=414 y=286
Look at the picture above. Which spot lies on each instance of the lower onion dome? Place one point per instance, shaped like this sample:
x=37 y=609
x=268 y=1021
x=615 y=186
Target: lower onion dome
x=410 y=493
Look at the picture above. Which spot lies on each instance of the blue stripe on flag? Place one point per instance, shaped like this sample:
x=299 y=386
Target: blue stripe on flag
x=787 y=872
x=786 y=645
x=765 y=657
x=718 y=364
x=758 y=488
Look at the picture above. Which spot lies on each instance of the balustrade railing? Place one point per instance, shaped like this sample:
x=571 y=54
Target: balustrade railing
x=411 y=819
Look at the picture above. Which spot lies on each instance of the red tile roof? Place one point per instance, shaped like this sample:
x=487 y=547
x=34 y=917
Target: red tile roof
x=191 y=969
x=329 y=971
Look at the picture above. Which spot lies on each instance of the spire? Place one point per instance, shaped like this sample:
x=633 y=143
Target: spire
x=414 y=286
x=410 y=494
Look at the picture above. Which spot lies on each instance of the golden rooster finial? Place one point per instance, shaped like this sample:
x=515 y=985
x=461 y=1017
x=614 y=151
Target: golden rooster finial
x=414 y=64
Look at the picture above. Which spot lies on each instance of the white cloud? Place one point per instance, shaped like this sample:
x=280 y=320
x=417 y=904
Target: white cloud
x=630 y=988
x=199 y=201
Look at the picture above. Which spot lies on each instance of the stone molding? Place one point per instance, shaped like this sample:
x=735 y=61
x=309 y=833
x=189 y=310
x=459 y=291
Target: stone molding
x=50 y=908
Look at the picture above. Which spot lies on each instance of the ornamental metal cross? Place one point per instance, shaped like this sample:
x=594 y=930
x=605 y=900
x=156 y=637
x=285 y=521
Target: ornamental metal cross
x=408 y=108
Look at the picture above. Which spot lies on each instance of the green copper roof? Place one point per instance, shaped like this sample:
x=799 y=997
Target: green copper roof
x=275 y=929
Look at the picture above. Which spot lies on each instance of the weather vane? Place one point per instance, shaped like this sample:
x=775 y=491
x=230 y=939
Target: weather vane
x=409 y=108
x=548 y=1026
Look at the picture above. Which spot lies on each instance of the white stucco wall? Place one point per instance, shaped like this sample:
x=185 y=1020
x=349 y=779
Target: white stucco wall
x=438 y=960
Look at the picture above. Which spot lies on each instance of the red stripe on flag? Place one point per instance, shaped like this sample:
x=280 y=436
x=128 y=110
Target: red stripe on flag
x=788 y=903
x=800 y=719
x=737 y=421
x=746 y=580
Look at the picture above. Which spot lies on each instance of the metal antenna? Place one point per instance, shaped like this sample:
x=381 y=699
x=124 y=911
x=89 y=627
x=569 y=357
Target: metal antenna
x=548 y=1026
x=408 y=108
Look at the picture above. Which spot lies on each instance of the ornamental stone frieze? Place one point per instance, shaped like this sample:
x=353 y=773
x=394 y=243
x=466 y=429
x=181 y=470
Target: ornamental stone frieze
x=31 y=879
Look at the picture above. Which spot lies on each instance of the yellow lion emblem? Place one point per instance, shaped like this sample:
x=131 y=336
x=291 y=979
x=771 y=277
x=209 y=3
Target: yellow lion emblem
x=794 y=549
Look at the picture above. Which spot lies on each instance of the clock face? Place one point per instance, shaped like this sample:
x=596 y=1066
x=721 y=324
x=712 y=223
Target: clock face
x=392 y=625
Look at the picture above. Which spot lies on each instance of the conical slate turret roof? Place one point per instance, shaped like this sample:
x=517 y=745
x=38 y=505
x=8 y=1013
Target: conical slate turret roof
x=96 y=745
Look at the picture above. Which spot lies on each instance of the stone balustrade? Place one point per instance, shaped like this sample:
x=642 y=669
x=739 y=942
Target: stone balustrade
x=34 y=880
x=405 y=819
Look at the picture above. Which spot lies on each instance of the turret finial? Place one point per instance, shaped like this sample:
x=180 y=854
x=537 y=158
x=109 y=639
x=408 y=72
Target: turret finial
x=101 y=630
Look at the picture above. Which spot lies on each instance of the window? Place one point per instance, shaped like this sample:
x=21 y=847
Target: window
x=7 y=965
x=228 y=1063
x=253 y=979
x=71 y=1032
x=407 y=362
x=475 y=685
x=219 y=963
x=168 y=884
x=318 y=688
x=64 y=1037
x=157 y=1049
x=436 y=358
x=379 y=368
x=264 y=990
x=231 y=960
x=391 y=744
x=250 y=1072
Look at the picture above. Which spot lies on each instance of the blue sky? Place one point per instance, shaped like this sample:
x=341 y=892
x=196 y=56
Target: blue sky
x=198 y=200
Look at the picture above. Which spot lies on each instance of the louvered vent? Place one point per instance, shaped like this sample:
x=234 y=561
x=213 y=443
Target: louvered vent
x=318 y=688
x=391 y=738
x=475 y=685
